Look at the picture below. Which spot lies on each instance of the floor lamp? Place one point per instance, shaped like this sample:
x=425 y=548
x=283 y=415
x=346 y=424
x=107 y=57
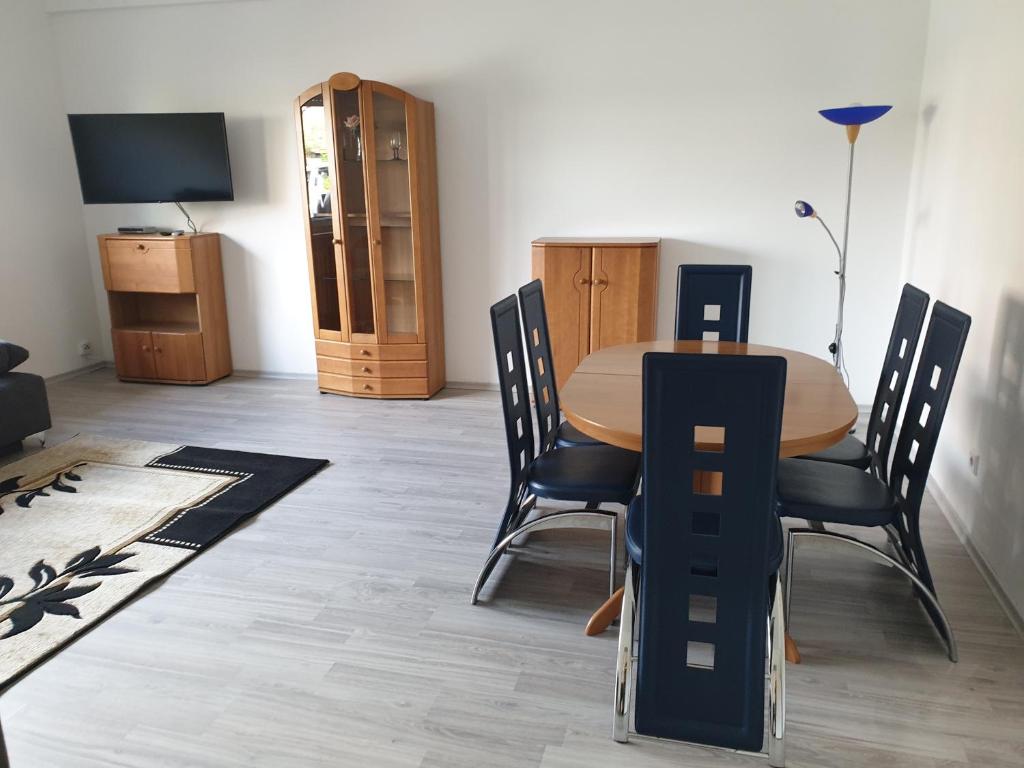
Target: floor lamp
x=852 y=118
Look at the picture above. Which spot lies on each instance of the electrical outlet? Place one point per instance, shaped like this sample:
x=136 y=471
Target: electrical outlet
x=975 y=461
x=85 y=348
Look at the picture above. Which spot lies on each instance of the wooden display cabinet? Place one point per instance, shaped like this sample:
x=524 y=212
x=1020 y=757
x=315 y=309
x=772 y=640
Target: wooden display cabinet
x=369 y=192
x=168 y=319
x=598 y=292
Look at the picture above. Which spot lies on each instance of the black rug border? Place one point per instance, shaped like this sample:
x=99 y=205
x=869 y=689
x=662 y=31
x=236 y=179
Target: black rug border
x=149 y=584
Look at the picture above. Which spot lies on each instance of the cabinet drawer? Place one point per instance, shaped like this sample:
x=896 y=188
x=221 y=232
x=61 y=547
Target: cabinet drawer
x=147 y=266
x=387 y=369
x=349 y=351
x=370 y=387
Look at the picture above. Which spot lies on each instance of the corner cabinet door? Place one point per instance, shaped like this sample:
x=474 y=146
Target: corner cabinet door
x=133 y=354
x=353 y=130
x=566 y=274
x=624 y=299
x=320 y=211
x=396 y=266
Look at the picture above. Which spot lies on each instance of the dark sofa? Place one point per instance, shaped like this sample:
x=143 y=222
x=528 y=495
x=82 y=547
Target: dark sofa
x=24 y=409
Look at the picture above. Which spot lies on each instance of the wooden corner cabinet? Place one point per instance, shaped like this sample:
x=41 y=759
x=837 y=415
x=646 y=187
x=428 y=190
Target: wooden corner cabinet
x=598 y=292
x=168 y=318
x=369 y=192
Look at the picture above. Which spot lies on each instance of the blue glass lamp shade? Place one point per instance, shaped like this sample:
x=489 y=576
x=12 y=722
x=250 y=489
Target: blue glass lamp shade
x=854 y=115
x=803 y=209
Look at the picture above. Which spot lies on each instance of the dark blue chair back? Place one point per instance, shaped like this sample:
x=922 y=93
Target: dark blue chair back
x=899 y=357
x=713 y=302
x=926 y=408
x=538 y=347
x=515 y=404
x=699 y=547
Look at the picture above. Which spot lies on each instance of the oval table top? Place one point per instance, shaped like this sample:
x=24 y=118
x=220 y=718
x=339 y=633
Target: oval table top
x=604 y=395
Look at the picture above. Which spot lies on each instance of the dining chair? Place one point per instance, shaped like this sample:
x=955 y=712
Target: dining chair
x=704 y=547
x=553 y=431
x=832 y=493
x=713 y=302
x=873 y=453
x=594 y=475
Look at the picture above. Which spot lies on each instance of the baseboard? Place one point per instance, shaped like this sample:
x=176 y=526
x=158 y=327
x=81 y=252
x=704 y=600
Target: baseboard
x=479 y=386
x=76 y=372
x=947 y=509
x=275 y=375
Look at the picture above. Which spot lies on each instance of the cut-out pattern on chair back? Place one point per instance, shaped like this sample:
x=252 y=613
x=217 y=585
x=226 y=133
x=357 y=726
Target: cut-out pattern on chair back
x=515 y=402
x=538 y=347
x=926 y=407
x=713 y=302
x=711 y=441
x=906 y=332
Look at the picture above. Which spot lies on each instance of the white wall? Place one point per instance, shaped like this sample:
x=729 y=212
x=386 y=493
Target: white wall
x=965 y=243
x=46 y=294
x=692 y=120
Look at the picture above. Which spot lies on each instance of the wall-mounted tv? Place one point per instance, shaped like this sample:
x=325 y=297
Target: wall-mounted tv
x=152 y=158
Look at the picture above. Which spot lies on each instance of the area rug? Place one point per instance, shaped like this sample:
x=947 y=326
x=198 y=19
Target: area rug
x=86 y=525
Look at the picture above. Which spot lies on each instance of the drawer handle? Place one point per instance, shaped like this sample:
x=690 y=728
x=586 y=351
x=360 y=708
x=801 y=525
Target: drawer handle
x=364 y=352
x=140 y=247
x=368 y=387
x=376 y=242
x=366 y=370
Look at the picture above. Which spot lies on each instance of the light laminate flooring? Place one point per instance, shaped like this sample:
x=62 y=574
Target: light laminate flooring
x=336 y=630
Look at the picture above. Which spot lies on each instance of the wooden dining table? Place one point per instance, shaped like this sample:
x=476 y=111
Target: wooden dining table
x=603 y=398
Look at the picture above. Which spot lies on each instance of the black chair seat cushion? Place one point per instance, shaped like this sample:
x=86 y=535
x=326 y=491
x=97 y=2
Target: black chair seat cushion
x=832 y=493
x=568 y=436
x=635 y=539
x=849 y=451
x=589 y=473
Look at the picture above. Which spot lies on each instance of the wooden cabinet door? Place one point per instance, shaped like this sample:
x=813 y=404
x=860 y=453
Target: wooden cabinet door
x=179 y=356
x=624 y=297
x=133 y=354
x=566 y=274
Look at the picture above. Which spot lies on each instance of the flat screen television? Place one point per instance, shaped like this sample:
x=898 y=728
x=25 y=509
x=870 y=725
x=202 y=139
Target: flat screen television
x=152 y=158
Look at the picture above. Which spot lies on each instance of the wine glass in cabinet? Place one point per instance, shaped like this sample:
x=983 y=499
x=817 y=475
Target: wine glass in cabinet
x=369 y=188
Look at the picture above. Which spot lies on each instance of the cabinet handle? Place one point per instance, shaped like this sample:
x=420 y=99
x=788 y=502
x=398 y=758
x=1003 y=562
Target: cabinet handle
x=365 y=352
x=584 y=281
x=145 y=348
x=600 y=281
x=376 y=242
x=336 y=241
x=366 y=370
x=157 y=349
x=368 y=387
x=140 y=247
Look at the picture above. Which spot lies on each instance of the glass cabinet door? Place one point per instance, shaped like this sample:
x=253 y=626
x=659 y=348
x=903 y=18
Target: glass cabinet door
x=391 y=160
x=348 y=141
x=319 y=193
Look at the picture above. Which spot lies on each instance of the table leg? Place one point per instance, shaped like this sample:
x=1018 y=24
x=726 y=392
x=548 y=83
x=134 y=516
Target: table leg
x=606 y=614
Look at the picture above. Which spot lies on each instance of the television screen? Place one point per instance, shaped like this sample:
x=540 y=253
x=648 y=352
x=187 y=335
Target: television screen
x=152 y=158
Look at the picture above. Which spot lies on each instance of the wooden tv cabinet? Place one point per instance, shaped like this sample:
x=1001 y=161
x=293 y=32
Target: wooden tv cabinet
x=168 y=318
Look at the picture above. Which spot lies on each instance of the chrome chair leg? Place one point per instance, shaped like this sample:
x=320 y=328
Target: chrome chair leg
x=576 y=518
x=624 y=660
x=945 y=629
x=790 y=559
x=777 y=681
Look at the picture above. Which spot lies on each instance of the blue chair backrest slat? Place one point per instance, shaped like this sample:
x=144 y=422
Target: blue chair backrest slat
x=713 y=302
x=899 y=357
x=538 y=347
x=926 y=407
x=515 y=399
x=701 y=545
